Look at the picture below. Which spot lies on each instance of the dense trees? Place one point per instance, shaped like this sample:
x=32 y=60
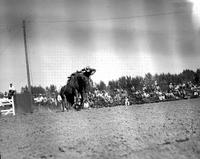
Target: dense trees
x=51 y=90
x=101 y=86
x=36 y=90
x=137 y=83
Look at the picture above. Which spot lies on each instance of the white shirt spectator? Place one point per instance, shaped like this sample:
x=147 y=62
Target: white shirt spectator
x=127 y=101
x=86 y=105
x=11 y=87
x=59 y=98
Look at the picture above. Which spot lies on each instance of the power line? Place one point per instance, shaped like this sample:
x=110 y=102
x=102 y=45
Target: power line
x=4 y=25
x=105 y=19
x=132 y=17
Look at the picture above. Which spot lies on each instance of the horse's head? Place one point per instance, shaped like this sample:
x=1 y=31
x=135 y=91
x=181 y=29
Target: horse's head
x=88 y=71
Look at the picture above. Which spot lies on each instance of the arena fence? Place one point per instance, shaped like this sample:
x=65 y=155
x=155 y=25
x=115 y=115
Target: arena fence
x=19 y=103
x=8 y=106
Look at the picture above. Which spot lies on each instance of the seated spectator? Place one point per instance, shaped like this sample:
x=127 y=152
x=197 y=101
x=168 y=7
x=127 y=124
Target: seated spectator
x=161 y=96
x=86 y=104
x=171 y=87
x=144 y=88
x=145 y=95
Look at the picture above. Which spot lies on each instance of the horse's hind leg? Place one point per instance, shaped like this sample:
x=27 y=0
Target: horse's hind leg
x=82 y=100
x=63 y=106
x=68 y=106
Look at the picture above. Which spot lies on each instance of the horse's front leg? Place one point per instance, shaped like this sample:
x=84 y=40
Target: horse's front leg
x=63 y=103
x=82 y=100
x=76 y=100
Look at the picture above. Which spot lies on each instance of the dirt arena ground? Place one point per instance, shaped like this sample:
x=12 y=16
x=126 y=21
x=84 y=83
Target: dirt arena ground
x=169 y=130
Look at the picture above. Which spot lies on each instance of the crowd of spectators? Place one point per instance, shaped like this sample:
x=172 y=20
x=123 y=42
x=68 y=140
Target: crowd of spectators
x=106 y=98
x=43 y=99
x=145 y=95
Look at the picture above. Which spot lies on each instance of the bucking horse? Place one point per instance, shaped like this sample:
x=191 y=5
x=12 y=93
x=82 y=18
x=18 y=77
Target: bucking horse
x=78 y=84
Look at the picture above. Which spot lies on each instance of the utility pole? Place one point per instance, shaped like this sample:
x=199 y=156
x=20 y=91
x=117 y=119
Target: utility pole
x=27 y=63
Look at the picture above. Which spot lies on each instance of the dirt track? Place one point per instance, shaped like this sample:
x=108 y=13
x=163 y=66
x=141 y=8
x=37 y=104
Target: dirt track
x=159 y=130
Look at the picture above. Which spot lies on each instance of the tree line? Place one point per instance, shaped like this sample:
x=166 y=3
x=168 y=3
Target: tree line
x=130 y=83
x=37 y=90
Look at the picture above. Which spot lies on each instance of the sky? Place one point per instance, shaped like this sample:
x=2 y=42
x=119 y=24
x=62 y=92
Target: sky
x=116 y=37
